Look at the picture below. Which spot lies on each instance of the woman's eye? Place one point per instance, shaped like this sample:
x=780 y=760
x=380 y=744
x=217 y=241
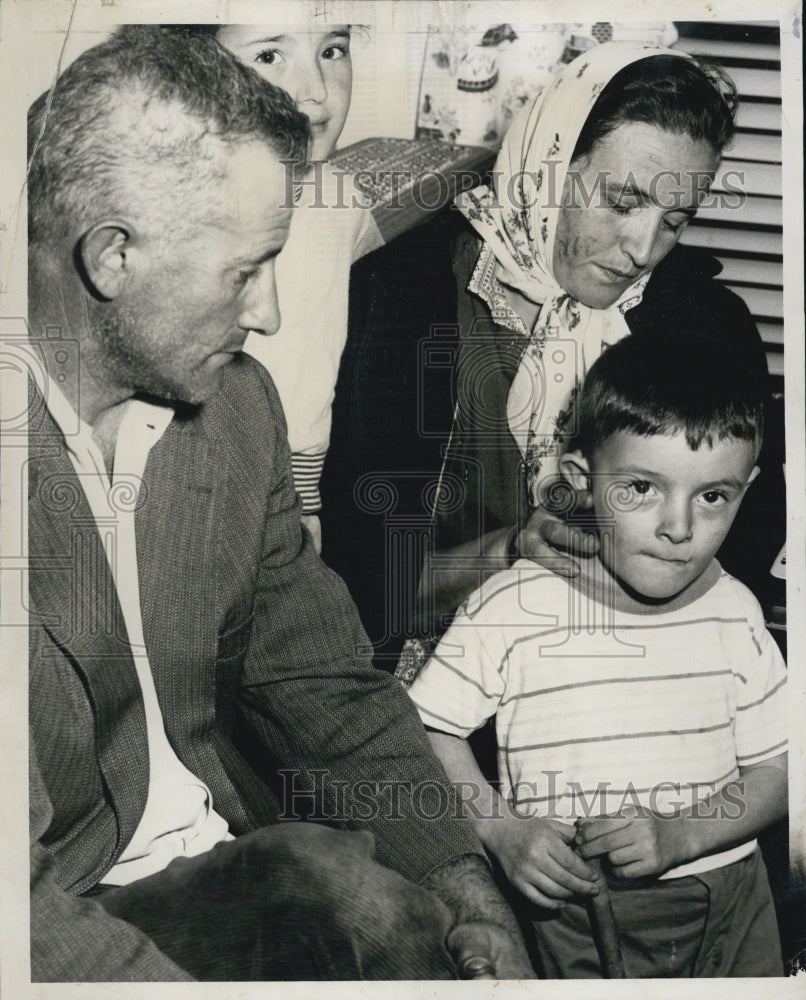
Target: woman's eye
x=641 y=486
x=268 y=57
x=619 y=207
x=674 y=225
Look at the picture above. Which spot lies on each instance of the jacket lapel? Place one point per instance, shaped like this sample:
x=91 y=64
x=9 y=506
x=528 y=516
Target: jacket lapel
x=179 y=528
x=73 y=597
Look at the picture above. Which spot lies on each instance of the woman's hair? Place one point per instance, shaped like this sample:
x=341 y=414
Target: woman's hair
x=672 y=92
x=693 y=383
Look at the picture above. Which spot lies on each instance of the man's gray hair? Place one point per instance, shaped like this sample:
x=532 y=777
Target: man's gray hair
x=145 y=117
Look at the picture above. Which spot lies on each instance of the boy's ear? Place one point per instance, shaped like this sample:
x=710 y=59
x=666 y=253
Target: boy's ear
x=574 y=466
x=104 y=251
x=752 y=475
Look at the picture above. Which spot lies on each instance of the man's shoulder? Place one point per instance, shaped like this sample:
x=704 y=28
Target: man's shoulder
x=245 y=409
x=247 y=391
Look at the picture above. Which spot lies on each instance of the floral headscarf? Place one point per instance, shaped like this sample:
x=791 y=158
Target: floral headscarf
x=518 y=222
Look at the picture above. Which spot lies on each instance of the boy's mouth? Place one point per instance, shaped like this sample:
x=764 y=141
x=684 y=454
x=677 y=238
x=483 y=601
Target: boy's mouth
x=672 y=560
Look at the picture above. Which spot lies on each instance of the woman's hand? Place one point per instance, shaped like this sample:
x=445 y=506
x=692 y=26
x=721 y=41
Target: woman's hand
x=538 y=858
x=546 y=538
x=449 y=575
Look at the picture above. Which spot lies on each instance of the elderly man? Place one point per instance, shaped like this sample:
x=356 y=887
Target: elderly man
x=194 y=667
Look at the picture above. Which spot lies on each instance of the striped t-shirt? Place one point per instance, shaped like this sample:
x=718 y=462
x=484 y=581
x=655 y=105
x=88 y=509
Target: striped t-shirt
x=602 y=705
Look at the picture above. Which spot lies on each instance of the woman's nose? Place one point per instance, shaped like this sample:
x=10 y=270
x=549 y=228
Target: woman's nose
x=261 y=310
x=640 y=237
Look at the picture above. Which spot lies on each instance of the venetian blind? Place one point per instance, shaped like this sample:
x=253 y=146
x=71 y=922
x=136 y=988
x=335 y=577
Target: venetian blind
x=747 y=239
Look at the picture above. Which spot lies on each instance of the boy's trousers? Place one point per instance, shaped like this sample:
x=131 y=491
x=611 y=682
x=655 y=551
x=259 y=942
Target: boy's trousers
x=718 y=923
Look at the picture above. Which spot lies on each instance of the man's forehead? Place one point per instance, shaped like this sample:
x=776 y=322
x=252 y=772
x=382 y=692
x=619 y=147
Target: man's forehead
x=257 y=177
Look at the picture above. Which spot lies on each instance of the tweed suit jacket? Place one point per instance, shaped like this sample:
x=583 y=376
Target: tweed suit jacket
x=259 y=660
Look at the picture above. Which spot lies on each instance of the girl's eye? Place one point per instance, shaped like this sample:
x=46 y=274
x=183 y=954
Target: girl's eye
x=268 y=57
x=336 y=52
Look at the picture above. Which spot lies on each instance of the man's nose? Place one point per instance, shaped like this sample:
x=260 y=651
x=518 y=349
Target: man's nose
x=675 y=522
x=639 y=238
x=261 y=310
x=307 y=85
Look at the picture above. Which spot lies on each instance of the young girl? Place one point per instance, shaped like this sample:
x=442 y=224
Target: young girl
x=311 y=62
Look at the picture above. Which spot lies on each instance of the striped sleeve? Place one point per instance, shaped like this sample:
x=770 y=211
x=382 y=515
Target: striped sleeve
x=760 y=729
x=307 y=470
x=461 y=685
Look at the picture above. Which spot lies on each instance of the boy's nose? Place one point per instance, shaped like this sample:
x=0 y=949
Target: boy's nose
x=676 y=523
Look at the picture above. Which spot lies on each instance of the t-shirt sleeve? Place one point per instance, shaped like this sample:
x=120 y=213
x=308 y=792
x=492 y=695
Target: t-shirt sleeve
x=367 y=236
x=761 y=709
x=461 y=686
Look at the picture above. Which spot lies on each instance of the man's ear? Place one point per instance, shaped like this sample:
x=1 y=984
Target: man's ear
x=574 y=466
x=104 y=251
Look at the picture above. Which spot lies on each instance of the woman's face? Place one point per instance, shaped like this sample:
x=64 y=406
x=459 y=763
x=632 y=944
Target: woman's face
x=313 y=66
x=625 y=206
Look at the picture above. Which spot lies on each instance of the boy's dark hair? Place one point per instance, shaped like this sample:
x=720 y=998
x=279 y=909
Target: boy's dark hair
x=673 y=93
x=701 y=385
x=147 y=110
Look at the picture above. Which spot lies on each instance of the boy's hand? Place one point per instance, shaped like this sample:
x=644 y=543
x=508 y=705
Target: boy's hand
x=637 y=843
x=547 y=538
x=538 y=860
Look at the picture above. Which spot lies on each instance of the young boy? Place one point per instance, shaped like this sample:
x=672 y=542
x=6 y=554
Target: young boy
x=640 y=708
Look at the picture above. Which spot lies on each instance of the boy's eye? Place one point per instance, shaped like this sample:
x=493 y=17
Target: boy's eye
x=641 y=486
x=269 y=57
x=714 y=497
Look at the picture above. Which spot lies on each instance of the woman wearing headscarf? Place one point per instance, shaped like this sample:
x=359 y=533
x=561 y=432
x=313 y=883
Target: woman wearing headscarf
x=593 y=187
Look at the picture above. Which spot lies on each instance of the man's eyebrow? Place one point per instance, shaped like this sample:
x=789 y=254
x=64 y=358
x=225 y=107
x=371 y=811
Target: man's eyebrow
x=256 y=261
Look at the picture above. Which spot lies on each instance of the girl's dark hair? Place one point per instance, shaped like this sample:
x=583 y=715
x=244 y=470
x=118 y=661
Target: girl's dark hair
x=671 y=92
x=210 y=30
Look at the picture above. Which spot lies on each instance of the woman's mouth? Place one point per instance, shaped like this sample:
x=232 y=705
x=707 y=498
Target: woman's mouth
x=618 y=277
